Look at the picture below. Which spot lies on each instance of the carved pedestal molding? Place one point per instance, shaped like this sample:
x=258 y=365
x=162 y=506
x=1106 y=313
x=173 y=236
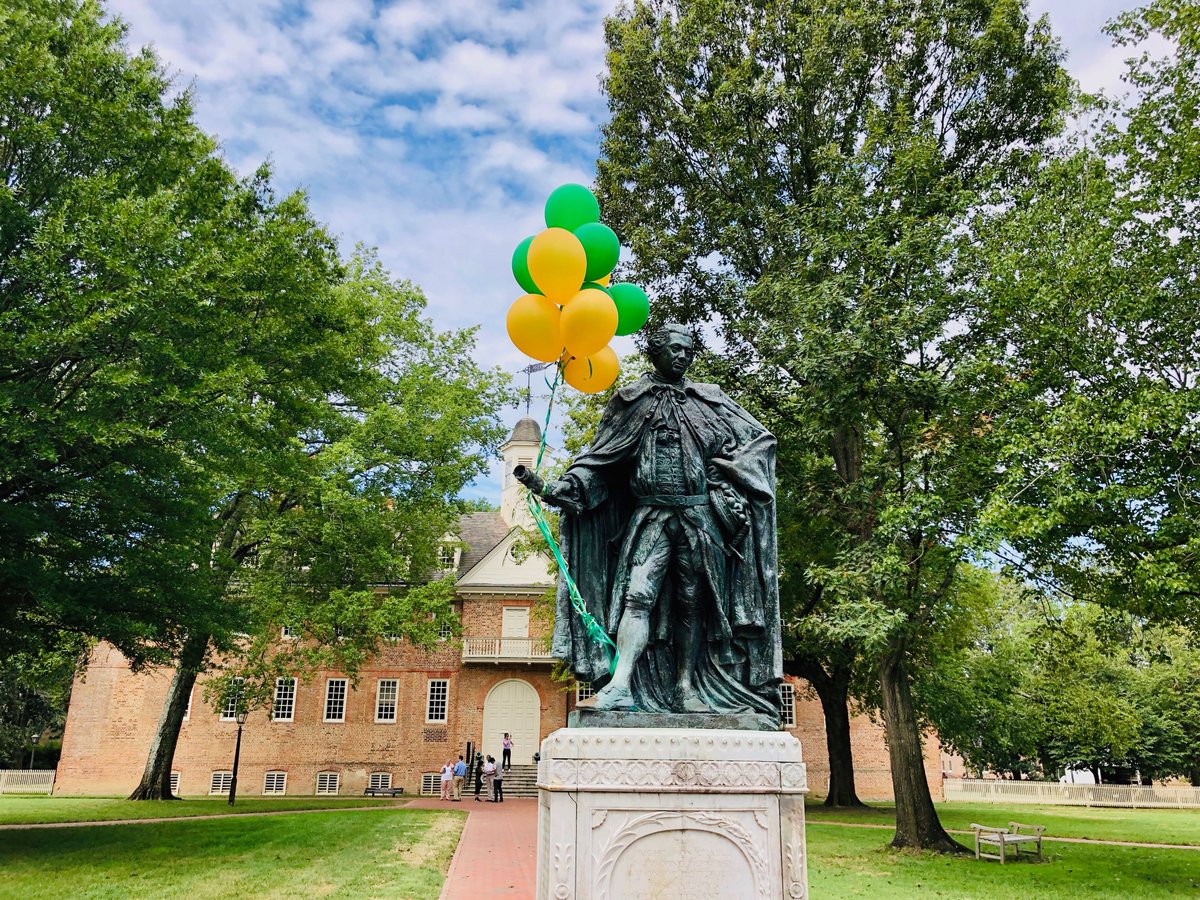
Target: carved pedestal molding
x=649 y=813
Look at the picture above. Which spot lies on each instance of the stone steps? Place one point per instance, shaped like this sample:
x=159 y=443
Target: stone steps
x=521 y=781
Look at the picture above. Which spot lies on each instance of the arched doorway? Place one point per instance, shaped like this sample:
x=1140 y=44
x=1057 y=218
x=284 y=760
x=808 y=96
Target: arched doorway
x=512 y=706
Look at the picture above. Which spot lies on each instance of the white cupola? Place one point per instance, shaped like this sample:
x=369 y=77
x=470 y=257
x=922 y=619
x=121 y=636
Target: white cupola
x=521 y=449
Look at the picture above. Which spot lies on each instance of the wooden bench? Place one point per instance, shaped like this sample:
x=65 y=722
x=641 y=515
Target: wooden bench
x=382 y=792
x=1014 y=836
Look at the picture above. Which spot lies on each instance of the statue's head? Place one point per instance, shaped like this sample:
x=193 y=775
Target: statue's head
x=671 y=348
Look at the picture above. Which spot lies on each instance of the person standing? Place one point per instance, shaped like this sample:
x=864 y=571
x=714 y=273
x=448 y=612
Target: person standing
x=489 y=778
x=499 y=784
x=478 y=775
x=460 y=774
x=447 y=779
x=506 y=757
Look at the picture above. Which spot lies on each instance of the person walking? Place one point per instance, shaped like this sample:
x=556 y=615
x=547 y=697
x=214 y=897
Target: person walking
x=506 y=757
x=447 y=779
x=489 y=778
x=460 y=774
x=478 y=775
x=499 y=784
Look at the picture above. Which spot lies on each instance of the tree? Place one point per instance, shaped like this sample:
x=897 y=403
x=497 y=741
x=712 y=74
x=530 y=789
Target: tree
x=1089 y=267
x=336 y=537
x=34 y=690
x=797 y=174
x=208 y=421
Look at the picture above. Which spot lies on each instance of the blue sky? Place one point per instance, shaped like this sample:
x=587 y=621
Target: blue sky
x=434 y=129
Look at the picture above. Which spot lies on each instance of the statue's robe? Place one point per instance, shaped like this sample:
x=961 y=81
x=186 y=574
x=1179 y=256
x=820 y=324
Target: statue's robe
x=740 y=665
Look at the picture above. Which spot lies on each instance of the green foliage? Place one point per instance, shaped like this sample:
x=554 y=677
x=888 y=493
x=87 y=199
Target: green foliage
x=209 y=423
x=1088 y=266
x=1028 y=688
x=34 y=690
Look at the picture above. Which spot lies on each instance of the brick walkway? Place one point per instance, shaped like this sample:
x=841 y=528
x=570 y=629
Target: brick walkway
x=497 y=855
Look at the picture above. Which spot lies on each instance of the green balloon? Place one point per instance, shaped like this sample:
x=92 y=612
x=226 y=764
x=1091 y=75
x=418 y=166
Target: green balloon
x=602 y=247
x=520 y=266
x=570 y=206
x=594 y=286
x=633 y=307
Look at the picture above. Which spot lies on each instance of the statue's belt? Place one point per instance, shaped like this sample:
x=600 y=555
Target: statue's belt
x=673 y=500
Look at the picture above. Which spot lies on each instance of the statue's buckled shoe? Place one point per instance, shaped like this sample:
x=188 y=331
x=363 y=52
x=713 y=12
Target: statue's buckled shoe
x=614 y=698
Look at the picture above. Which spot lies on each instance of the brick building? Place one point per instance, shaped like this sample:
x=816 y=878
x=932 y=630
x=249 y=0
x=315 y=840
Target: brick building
x=410 y=711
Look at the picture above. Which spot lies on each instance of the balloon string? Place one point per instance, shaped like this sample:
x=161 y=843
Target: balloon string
x=594 y=629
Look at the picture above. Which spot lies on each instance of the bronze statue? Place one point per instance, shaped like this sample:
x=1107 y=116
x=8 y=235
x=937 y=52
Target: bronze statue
x=668 y=529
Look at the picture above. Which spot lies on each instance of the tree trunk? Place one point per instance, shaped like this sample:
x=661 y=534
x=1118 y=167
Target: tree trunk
x=1195 y=777
x=156 y=779
x=832 y=684
x=917 y=823
x=835 y=703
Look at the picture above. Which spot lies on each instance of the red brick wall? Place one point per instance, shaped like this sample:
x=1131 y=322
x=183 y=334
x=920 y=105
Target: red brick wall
x=872 y=770
x=113 y=714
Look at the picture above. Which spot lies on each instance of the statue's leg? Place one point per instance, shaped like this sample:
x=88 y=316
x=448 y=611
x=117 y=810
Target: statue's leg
x=687 y=630
x=633 y=633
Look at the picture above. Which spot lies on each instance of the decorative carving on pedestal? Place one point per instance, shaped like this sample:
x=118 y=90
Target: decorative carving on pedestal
x=795 y=875
x=628 y=829
x=564 y=871
x=614 y=774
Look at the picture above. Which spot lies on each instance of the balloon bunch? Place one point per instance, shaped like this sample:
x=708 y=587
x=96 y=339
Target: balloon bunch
x=571 y=310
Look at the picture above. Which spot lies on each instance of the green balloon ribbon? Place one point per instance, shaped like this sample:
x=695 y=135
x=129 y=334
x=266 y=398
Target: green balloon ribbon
x=594 y=629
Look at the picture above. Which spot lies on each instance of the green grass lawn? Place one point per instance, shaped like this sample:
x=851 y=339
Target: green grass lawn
x=1162 y=826
x=855 y=862
x=24 y=810
x=398 y=853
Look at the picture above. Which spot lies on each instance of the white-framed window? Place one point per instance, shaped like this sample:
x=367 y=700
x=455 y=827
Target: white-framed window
x=175 y=783
x=787 y=717
x=335 y=700
x=288 y=633
x=446 y=554
x=385 y=699
x=437 y=700
x=229 y=711
x=187 y=710
x=430 y=783
x=220 y=782
x=380 y=781
x=583 y=691
x=275 y=783
x=284 y=707
x=445 y=629
x=328 y=782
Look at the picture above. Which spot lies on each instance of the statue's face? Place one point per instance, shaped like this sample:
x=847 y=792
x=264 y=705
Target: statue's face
x=672 y=361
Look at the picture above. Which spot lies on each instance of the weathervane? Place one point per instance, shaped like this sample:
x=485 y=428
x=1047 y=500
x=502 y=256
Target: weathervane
x=529 y=370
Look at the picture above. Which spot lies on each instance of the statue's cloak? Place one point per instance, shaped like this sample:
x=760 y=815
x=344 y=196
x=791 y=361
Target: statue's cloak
x=741 y=662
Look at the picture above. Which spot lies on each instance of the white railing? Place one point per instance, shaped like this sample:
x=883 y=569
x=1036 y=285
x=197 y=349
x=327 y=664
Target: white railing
x=26 y=781
x=1130 y=796
x=504 y=649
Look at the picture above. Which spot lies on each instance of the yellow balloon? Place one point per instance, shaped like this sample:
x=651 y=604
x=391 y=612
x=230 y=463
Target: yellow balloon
x=594 y=373
x=533 y=325
x=603 y=282
x=589 y=321
x=557 y=263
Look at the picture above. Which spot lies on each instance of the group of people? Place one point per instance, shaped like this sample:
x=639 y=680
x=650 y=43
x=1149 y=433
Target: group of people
x=487 y=775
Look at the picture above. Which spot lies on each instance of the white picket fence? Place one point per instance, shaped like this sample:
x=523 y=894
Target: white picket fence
x=1129 y=796
x=26 y=781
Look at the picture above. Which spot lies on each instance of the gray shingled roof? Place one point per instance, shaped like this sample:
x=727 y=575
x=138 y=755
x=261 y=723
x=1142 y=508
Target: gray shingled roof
x=481 y=532
x=527 y=430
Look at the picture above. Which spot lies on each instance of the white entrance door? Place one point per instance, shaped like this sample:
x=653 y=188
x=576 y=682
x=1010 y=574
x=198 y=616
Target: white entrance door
x=512 y=706
x=514 y=632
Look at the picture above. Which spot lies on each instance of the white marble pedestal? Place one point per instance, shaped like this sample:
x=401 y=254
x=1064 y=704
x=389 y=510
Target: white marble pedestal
x=671 y=814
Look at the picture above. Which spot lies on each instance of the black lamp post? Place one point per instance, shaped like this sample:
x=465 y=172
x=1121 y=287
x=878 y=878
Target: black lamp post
x=240 y=717
x=33 y=739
